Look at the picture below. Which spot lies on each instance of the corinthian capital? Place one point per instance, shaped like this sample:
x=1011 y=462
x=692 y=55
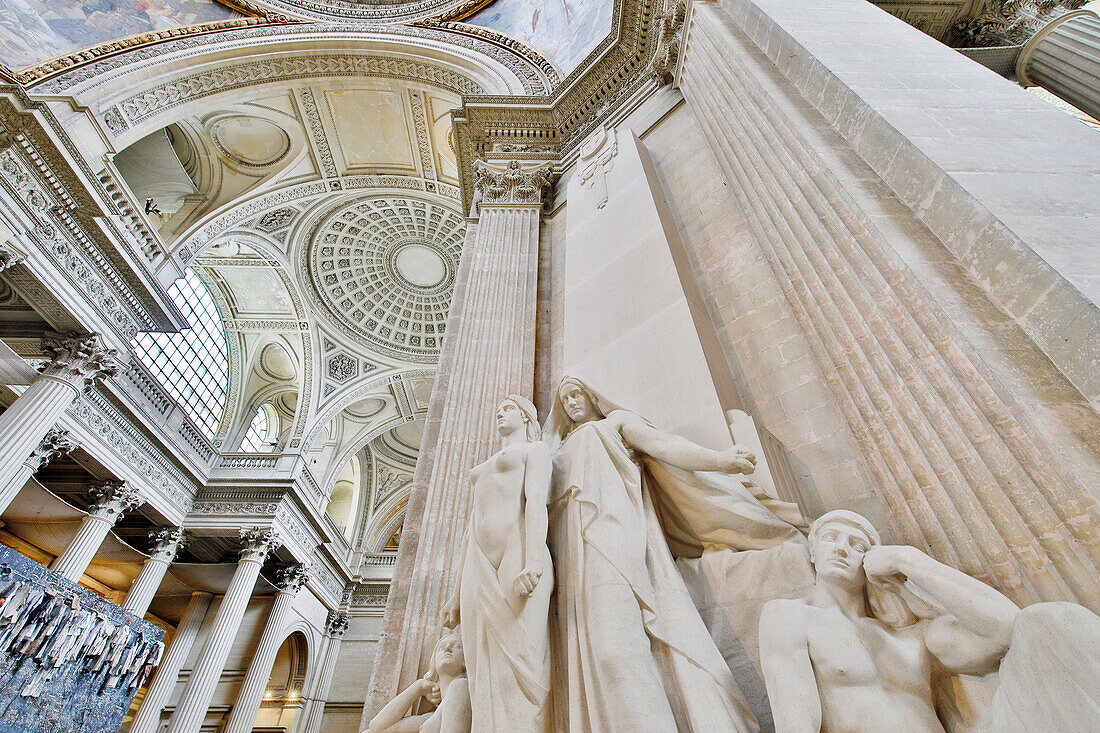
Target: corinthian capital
x=512 y=185
x=56 y=443
x=1010 y=22
x=79 y=359
x=113 y=499
x=337 y=623
x=9 y=256
x=258 y=543
x=166 y=543
x=291 y=578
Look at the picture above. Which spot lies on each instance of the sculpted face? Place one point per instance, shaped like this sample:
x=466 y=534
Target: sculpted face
x=577 y=404
x=449 y=658
x=838 y=551
x=510 y=418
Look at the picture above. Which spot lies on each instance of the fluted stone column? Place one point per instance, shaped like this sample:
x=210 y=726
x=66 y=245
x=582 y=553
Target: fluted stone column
x=289 y=580
x=112 y=500
x=489 y=352
x=189 y=715
x=147 y=719
x=56 y=443
x=77 y=361
x=166 y=545
x=316 y=692
x=1064 y=59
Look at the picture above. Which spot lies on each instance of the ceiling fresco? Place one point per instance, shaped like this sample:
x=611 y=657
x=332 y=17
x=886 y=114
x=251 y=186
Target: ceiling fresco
x=35 y=30
x=565 y=30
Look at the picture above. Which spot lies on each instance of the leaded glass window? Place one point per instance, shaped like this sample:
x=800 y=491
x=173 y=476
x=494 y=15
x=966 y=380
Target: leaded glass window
x=192 y=365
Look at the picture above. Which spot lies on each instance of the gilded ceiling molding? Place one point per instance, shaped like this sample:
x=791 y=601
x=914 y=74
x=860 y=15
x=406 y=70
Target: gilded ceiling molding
x=376 y=11
x=532 y=54
x=52 y=67
x=480 y=53
x=529 y=128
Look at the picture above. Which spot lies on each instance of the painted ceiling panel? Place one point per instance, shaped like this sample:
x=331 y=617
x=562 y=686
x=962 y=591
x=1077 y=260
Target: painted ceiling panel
x=36 y=30
x=565 y=30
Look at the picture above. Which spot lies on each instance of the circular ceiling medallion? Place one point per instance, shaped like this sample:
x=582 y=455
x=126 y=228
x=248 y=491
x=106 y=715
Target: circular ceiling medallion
x=251 y=141
x=384 y=267
x=420 y=266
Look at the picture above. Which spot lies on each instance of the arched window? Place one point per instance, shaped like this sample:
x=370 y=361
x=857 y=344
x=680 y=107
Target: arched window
x=192 y=365
x=263 y=434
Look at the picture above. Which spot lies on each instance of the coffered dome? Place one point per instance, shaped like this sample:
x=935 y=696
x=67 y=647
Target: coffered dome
x=384 y=268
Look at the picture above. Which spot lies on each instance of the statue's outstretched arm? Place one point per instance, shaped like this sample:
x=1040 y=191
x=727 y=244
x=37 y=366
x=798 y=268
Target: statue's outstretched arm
x=788 y=672
x=679 y=451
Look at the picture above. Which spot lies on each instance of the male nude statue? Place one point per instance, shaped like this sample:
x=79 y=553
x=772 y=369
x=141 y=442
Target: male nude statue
x=835 y=662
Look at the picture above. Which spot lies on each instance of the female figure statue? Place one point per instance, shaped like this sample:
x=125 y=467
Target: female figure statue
x=626 y=497
x=444 y=685
x=505 y=579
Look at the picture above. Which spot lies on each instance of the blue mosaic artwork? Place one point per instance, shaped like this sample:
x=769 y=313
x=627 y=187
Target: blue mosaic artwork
x=70 y=661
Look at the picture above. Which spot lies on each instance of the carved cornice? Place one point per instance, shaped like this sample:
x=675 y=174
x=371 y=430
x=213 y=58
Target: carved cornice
x=534 y=128
x=76 y=219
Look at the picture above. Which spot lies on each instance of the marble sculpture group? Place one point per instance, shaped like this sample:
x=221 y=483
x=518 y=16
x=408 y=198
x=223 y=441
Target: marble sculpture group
x=570 y=613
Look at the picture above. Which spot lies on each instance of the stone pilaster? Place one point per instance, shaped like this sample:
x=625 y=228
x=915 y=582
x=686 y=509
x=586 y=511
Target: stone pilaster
x=112 y=500
x=489 y=352
x=317 y=687
x=962 y=469
x=166 y=545
x=147 y=719
x=57 y=442
x=191 y=711
x=77 y=361
x=289 y=580
x=1064 y=58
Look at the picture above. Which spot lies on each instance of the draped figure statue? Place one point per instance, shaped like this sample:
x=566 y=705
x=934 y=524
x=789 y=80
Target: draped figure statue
x=633 y=649
x=505 y=580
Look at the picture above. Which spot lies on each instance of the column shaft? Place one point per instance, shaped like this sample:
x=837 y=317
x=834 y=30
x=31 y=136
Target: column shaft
x=489 y=352
x=192 y=707
x=74 y=560
x=147 y=719
x=1064 y=59
x=247 y=705
x=24 y=425
x=145 y=586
